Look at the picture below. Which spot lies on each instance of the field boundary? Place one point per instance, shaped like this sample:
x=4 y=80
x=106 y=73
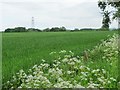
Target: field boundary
x=0 y=61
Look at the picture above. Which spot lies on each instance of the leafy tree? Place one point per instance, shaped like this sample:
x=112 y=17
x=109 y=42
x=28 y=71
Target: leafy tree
x=103 y=5
x=62 y=29
x=106 y=14
x=54 y=29
x=116 y=5
x=86 y=29
x=17 y=29
x=9 y=30
x=33 y=30
x=20 y=29
x=76 y=29
x=106 y=20
x=46 y=30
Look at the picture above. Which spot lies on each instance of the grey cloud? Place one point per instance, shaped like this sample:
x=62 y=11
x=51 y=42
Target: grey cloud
x=49 y=14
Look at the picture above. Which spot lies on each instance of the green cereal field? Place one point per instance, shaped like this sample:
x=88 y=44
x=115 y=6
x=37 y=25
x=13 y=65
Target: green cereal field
x=21 y=51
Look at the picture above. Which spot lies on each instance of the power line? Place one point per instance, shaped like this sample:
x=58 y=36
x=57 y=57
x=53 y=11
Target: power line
x=32 y=23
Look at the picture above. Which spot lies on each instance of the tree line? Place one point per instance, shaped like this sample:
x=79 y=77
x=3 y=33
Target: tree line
x=23 y=29
x=53 y=29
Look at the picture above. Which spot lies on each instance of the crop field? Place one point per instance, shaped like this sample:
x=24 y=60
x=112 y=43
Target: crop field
x=21 y=51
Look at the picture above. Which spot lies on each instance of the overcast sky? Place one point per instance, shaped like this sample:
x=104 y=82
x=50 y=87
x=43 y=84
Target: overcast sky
x=51 y=13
